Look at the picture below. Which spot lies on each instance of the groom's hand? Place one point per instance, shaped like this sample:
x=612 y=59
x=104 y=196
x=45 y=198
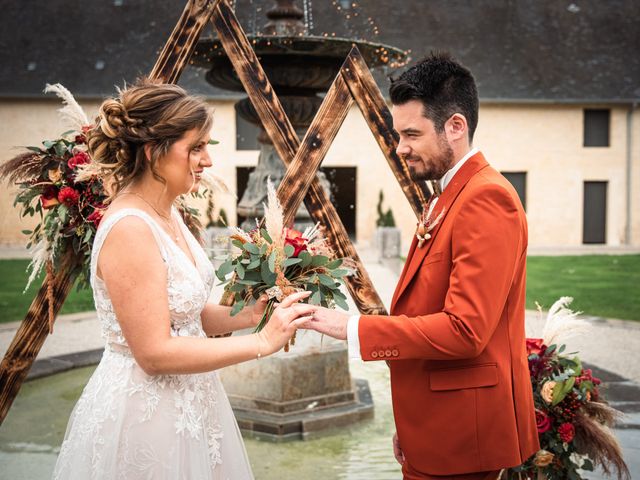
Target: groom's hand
x=397 y=451
x=329 y=322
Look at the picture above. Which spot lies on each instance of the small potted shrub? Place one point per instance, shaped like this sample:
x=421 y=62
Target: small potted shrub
x=388 y=237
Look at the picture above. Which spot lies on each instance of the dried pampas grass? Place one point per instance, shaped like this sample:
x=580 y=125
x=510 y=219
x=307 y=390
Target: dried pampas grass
x=274 y=216
x=71 y=112
x=562 y=323
x=595 y=439
x=21 y=168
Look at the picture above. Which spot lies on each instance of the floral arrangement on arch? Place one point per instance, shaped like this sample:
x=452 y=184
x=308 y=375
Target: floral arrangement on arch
x=70 y=208
x=573 y=419
x=278 y=261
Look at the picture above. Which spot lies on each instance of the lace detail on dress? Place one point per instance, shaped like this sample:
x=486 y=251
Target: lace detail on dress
x=128 y=424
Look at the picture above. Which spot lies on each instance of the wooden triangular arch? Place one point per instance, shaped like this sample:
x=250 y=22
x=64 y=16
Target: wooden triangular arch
x=354 y=82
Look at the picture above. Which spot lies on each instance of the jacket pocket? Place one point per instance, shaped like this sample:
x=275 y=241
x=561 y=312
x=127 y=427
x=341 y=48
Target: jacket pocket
x=432 y=258
x=475 y=376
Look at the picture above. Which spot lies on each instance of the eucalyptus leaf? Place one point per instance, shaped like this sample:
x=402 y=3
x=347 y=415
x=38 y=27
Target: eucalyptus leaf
x=253 y=264
x=306 y=259
x=289 y=250
x=315 y=298
x=338 y=293
x=60 y=149
x=587 y=465
x=326 y=280
x=265 y=235
x=319 y=260
x=291 y=261
x=334 y=264
x=251 y=248
x=236 y=288
x=340 y=302
x=268 y=277
x=237 y=307
x=224 y=269
x=237 y=243
x=240 y=270
x=341 y=272
x=272 y=262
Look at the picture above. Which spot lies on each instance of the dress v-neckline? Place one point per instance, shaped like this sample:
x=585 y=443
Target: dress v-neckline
x=193 y=261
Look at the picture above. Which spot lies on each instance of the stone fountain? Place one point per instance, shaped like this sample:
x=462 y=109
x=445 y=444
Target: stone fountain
x=302 y=392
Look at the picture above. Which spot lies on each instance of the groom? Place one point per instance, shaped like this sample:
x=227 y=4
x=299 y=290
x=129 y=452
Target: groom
x=455 y=340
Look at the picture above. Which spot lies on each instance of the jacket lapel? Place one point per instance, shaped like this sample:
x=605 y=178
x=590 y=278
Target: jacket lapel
x=446 y=200
x=412 y=250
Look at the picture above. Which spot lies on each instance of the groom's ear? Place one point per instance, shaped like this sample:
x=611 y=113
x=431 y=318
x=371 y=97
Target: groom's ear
x=456 y=127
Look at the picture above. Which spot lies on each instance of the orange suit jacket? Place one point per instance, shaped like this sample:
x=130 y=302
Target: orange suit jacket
x=455 y=339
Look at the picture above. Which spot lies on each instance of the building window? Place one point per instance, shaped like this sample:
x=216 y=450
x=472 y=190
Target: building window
x=594 y=222
x=246 y=135
x=596 y=127
x=519 y=182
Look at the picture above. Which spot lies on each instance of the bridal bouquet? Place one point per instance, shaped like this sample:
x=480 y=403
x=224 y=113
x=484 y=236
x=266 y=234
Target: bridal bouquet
x=69 y=207
x=70 y=210
x=278 y=261
x=573 y=420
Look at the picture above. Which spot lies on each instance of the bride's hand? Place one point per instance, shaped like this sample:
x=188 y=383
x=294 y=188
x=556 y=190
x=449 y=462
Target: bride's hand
x=257 y=310
x=284 y=321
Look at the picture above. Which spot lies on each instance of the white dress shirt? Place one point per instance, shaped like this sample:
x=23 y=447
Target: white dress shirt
x=353 y=340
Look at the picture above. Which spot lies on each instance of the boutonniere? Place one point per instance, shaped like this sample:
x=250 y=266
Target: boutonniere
x=427 y=222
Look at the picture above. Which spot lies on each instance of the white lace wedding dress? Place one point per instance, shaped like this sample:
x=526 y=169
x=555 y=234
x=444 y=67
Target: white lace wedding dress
x=129 y=425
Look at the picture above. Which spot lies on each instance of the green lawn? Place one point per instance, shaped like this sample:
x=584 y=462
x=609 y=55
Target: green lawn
x=604 y=285
x=14 y=304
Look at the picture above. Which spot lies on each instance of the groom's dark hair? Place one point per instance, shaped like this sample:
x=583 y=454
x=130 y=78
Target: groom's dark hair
x=443 y=86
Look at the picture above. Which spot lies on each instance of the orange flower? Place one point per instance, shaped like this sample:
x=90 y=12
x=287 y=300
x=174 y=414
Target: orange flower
x=296 y=240
x=543 y=458
x=49 y=197
x=547 y=391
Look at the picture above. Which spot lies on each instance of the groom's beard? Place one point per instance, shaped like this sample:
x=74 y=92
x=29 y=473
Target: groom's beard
x=435 y=167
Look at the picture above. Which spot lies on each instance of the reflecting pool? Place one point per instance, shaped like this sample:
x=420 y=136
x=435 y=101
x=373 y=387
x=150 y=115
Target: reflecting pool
x=31 y=434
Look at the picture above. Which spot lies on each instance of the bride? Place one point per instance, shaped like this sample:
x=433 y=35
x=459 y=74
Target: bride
x=155 y=407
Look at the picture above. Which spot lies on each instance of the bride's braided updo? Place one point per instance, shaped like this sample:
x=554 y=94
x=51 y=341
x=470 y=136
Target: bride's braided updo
x=145 y=113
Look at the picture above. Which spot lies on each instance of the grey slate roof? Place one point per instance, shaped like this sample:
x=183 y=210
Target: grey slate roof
x=533 y=50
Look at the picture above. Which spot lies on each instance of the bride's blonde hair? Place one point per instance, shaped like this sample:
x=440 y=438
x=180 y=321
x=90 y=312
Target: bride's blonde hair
x=147 y=113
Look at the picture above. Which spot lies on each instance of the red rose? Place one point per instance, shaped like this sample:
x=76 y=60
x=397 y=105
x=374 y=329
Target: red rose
x=80 y=139
x=68 y=196
x=49 y=197
x=80 y=158
x=543 y=422
x=95 y=217
x=535 y=345
x=296 y=240
x=566 y=432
